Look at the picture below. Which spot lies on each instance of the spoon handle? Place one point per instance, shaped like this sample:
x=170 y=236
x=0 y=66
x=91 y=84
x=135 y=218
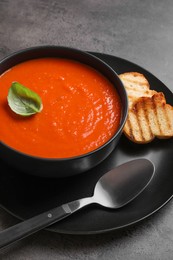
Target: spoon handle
x=34 y=224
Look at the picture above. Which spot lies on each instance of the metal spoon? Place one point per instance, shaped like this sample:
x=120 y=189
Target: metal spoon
x=114 y=189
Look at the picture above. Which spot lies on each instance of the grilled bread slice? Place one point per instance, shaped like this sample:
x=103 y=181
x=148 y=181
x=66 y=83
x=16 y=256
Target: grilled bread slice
x=149 y=117
x=136 y=86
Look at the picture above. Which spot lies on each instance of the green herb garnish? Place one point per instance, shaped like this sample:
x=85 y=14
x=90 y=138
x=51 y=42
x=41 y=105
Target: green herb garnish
x=23 y=101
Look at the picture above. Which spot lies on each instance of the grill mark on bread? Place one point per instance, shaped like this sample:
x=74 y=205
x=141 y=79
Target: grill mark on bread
x=150 y=135
x=169 y=112
x=157 y=117
x=164 y=120
x=131 y=84
x=167 y=118
x=138 y=133
x=143 y=121
x=131 y=132
x=137 y=108
x=129 y=128
x=156 y=121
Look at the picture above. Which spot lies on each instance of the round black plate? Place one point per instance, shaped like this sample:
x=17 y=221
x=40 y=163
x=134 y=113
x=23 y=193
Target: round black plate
x=25 y=196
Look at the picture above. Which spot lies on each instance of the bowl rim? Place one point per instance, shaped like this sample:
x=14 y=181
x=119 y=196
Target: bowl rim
x=86 y=53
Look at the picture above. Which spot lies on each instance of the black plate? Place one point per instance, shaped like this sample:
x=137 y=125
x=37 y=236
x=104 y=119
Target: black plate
x=25 y=196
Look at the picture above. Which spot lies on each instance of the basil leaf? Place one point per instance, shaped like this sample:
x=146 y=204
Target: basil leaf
x=23 y=101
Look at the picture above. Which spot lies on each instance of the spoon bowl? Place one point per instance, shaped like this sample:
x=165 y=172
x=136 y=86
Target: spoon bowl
x=119 y=186
x=114 y=189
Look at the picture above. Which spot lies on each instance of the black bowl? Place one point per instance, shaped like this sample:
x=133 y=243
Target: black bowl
x=47 y=167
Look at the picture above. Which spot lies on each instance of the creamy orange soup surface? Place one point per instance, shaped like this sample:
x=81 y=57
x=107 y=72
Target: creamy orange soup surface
x=81 y=109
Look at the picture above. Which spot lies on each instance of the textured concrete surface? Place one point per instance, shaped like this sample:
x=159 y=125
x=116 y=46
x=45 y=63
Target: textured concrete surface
x=141 y=31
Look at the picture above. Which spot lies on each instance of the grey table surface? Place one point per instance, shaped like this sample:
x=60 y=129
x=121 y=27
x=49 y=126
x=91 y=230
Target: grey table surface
x=139 y=31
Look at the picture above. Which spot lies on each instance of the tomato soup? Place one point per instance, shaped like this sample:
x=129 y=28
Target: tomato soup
x=81 y=109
